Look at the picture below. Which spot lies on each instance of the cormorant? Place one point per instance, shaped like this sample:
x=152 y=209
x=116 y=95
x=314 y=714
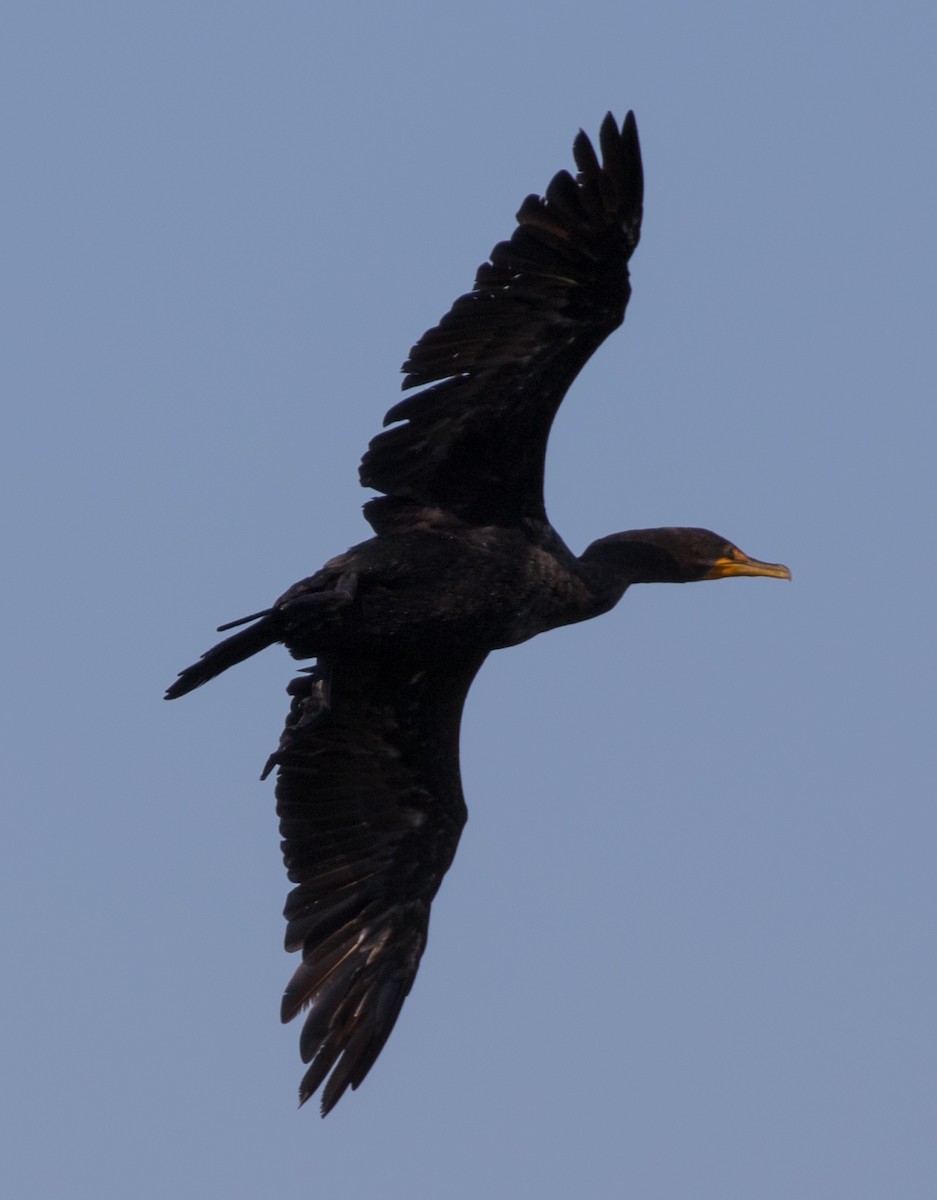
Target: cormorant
x=464 y=561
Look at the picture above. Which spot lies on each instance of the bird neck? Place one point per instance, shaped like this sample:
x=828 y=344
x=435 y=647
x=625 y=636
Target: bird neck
x=615 y=562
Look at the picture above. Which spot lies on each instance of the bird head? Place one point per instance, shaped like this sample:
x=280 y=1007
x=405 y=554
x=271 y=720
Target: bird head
x=676 y=555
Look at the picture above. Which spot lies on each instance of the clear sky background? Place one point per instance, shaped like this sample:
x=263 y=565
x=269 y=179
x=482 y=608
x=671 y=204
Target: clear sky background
x=687 y=948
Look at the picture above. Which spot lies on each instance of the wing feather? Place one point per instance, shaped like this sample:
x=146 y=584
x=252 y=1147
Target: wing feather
x=496 y=367
x=370 y=804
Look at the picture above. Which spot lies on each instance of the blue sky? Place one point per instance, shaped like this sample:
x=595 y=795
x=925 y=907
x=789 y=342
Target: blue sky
x=688 y=945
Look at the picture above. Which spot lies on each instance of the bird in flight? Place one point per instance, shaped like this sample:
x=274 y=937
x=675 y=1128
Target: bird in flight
x=463 y=561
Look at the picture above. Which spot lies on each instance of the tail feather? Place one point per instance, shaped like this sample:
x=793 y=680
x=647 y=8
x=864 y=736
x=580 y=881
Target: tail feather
x=264 y=612
x=232 y=650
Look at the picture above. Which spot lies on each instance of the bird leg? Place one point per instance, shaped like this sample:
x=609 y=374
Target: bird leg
x=346 y=587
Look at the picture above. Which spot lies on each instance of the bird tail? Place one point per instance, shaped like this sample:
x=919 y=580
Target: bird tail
x=232 y=650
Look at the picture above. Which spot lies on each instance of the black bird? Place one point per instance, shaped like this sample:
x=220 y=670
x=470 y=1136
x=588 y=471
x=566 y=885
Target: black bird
x=464 y=561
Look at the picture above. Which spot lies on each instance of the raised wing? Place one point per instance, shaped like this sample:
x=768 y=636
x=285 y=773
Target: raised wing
x=504 y=355
x=371 y=809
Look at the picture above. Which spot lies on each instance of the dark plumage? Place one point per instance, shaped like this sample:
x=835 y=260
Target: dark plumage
x=464 y=562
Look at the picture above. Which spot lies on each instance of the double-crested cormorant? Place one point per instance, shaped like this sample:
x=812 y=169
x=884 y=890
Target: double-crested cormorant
x=464 y=561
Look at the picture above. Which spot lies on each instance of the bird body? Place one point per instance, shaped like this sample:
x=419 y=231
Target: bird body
x=445 y=590
x=463 y=561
